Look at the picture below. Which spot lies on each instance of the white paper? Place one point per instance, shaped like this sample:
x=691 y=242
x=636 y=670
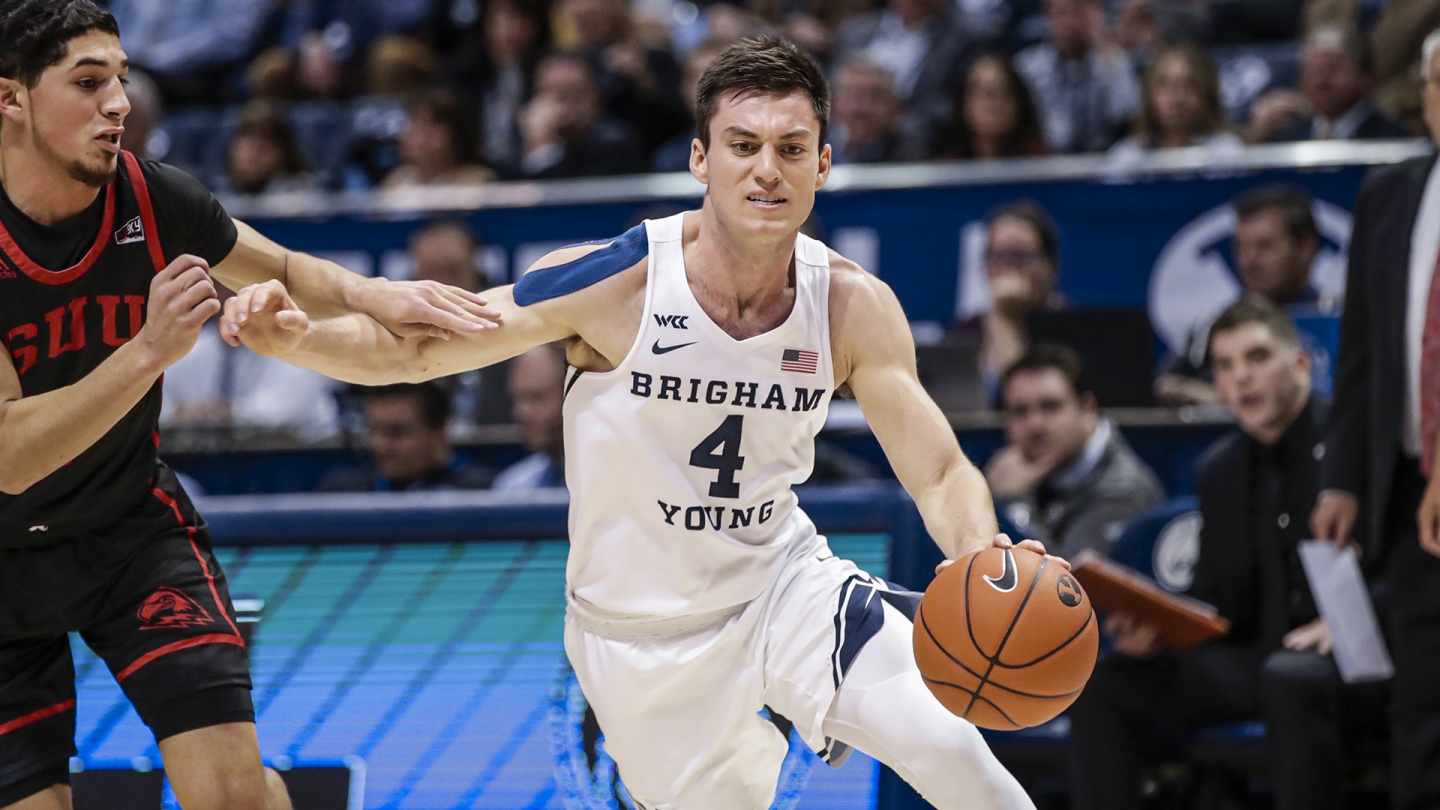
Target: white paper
x=1344 y=603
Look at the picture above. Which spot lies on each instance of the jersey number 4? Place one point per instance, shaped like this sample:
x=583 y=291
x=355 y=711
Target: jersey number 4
x=721 y=451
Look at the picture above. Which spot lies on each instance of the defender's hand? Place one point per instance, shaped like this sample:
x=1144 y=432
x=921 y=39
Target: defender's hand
x=1334 y=516
x=422 y=308
x=182 y=299
x=265 y=319
x=1003 y=540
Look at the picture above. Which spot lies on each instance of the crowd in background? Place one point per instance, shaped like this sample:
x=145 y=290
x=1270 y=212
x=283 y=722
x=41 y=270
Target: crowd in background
x=387 y=94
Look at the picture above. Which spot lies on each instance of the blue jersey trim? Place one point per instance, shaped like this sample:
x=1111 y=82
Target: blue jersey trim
x=562 y=279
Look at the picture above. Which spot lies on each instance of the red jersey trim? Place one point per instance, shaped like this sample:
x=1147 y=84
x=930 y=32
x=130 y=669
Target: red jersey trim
x=205 y=569
x=214 y=638
x=56 y=277
x=147 y=211
x=36 y=716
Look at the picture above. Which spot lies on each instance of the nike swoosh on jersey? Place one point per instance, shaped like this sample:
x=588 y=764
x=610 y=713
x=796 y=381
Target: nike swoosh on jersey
x=1005 y=583
x=658 y=349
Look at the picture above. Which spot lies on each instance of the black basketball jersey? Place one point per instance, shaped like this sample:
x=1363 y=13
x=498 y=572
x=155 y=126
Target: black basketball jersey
x=58 y=325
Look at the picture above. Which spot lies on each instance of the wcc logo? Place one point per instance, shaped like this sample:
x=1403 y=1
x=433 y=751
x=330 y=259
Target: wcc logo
x=170 y=608
x=134 y=231
x=673 y=321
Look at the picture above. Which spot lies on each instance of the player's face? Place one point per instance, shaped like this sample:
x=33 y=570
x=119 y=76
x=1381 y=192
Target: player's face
x=77 y=109
x=1260 y=379
x=764 y=164
x=1045 y=418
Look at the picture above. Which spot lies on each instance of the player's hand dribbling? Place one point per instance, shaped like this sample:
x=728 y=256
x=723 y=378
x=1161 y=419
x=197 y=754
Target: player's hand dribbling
x=1003 y=540
x=265 y=319
x=182 y=299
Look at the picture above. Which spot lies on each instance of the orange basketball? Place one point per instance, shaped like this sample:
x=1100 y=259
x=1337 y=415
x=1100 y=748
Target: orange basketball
x=1006 y=638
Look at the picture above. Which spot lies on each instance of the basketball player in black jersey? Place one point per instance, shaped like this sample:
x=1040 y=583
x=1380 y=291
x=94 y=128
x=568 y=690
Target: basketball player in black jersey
x=106 y=268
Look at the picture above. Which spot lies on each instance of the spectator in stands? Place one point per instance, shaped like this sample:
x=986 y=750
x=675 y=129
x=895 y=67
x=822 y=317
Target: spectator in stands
x=994 y=117
x=448 y=252
x=1081 y=78
x=1066 y=476
x=1022 y=265
x=194 y=48
x=147 y=110
x=263 y=157
x=635 y=71
x=409 y=447
x=445 y=252
x=1256 y=485
x=1276 y=242
x=1181 y=107
x=438 y=146
x=920 y=44
x=216 y=386
x=497 y=64
x=1334 y=98
x=537 y=394
x=400 y=66
x=675 y=155
x=565 y=130
x=865 y=123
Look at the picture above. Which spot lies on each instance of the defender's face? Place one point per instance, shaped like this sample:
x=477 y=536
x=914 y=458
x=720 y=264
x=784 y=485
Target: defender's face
x=77 y=109
x=764 y=164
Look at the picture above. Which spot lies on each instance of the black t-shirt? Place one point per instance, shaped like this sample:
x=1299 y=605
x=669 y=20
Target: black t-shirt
x=70 y=295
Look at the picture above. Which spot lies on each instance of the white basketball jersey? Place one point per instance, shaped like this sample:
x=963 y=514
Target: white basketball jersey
x=680 y=462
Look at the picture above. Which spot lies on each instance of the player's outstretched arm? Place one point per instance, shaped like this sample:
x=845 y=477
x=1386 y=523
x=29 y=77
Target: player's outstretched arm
x=42 y=433
x=356 y=348
x=324 y=289
x=875 y=354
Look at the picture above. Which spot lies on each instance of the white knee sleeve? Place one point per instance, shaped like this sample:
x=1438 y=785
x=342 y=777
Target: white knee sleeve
x=884 y=709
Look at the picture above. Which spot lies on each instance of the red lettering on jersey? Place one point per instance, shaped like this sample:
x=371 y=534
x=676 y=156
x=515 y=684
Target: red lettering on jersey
x=136 y=305
x=25 y=355
x=55 y=319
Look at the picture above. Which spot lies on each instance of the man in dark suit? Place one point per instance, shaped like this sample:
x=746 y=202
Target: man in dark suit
x=1255 y=487
x=1336 y=77
x=1381 y=440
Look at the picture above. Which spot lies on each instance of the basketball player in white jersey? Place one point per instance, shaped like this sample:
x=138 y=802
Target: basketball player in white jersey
x=704 y=349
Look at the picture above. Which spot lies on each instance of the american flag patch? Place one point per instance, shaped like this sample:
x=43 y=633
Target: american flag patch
x=799 y=360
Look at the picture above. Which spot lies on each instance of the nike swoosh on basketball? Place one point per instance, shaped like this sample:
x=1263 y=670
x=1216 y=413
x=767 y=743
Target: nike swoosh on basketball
x=658 y=349
x=1005 y=583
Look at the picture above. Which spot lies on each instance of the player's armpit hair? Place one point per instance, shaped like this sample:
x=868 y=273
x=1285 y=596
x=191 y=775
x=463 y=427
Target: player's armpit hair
x=35 y=34
x=560 y=280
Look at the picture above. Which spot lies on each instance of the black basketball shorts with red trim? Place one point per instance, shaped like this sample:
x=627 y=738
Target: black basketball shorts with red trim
x=148 y=597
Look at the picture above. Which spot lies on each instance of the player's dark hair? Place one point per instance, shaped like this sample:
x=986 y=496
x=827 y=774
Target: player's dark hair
x=1290 y=201
x=35 y=34
x=1033 y=214
x=1255 y=308
x=1045 y=356
x=433 y=401
x=769 y=66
